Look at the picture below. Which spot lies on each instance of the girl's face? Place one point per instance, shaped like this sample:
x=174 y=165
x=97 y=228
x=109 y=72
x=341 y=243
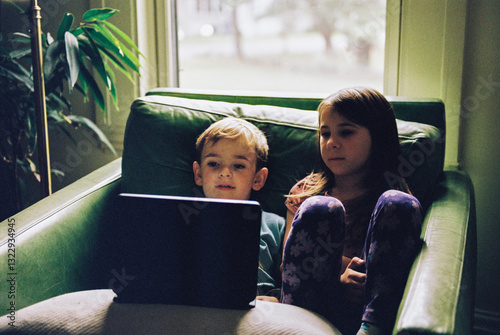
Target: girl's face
x=345 y=146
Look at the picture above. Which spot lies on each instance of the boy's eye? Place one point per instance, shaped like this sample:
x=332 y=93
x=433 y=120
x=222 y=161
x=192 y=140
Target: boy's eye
x=239 y=166
x=325 y=134
x=212 y=164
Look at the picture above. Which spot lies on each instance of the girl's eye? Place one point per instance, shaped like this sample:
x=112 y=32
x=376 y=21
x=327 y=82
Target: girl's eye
x=212 y=164
x=239 y=166
x=325 y=134
x=346 y=133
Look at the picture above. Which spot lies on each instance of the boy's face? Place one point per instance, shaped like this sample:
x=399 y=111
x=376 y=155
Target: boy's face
x=228 y=170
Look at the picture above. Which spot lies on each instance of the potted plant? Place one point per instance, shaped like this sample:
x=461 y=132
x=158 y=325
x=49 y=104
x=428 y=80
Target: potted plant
x=70 y=59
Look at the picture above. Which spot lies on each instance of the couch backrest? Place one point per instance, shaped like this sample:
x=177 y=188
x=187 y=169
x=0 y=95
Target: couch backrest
x=159 y=143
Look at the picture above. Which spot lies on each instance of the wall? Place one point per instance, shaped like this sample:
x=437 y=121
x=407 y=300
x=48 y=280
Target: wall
x=450 y=50
x=425 y=58
x=479 y=147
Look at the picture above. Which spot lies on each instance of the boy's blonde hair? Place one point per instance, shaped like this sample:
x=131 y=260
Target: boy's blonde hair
x=232 y=128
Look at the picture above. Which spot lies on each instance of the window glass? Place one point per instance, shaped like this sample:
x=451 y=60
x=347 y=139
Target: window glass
x=281 y=45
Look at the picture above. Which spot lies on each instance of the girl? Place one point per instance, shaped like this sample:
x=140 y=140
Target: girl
x=351 y=238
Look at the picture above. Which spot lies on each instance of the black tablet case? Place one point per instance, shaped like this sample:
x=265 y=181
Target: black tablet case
x=186 y=250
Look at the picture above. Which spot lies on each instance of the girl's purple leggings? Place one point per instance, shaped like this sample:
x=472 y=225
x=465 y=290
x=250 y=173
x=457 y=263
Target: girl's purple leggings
x=313 y=257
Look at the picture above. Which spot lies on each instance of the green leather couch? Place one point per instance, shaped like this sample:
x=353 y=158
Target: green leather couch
x=65 y=244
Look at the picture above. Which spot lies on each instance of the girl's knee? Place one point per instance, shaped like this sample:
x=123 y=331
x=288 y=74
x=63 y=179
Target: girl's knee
x=399 y=200
x=320 y=214
x=399 y=206
x=321 y=207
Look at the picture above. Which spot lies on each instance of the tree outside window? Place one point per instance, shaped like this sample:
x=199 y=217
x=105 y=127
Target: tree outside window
x=283 y=45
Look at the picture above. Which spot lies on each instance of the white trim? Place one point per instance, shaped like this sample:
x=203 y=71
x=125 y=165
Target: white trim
x=172 y=50
x=146 y=42
x=392 y=46
x=157 y=31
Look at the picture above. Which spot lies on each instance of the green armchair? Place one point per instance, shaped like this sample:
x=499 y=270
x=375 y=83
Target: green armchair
x=57 y=252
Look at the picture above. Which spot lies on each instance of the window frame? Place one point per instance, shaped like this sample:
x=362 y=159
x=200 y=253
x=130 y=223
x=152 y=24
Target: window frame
x=413 y=66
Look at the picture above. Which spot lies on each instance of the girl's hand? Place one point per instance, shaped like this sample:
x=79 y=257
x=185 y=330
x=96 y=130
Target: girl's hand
x=353 y=281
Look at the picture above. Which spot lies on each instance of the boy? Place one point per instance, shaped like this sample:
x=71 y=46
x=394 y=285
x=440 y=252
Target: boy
x=231 y=155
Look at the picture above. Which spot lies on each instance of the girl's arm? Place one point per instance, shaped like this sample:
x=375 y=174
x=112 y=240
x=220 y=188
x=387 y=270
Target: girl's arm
x=288 y=227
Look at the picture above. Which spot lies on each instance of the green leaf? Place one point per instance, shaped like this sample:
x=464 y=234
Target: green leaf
x=109 y=42
x=21 y=43
x=52 y=106
x=116 y=55
x=31 y=165
x=112 y=87
x=45 y=41
x=117 y=64
x=122 y=35
x=94 y=128
x=131 y=60
x=104 y=36
x=72 y=51
x=82 y=88
x=18 y=8
x=128 y=56
x=99 y=14
x=54 y=82
x=57 y=173
x=92 y=52
x=21 y=38
x=20 y=53
x=65 y=25
x=51 y=58
x=23 y=78
x=61 y=121
x=59 y=101
x=21 y=68
x=77 y=31
x=48 y=39
x=86 y=77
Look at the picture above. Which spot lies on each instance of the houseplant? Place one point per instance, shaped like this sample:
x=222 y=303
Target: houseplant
x=71 y=57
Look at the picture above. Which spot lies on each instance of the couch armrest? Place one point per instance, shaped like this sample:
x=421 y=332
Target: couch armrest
x=54 y=240
x=439 y=295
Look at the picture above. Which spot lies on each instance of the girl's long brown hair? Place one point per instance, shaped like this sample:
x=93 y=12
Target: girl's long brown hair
x=370 y=109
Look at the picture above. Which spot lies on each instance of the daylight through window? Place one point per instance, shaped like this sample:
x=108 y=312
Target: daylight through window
x=281 y=45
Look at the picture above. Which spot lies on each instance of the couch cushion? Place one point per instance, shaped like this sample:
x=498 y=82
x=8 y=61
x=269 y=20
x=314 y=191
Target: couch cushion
x=94 y=312
x=159 y=147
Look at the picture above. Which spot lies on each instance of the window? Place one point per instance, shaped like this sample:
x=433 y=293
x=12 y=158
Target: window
x=281 y=45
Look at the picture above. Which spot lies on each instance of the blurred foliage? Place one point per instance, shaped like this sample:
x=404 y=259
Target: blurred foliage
x=69 y=61
x=360 y=21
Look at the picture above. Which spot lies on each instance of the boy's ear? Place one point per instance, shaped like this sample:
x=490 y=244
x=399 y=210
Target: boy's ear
x=197 y=173
x=260 y=179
